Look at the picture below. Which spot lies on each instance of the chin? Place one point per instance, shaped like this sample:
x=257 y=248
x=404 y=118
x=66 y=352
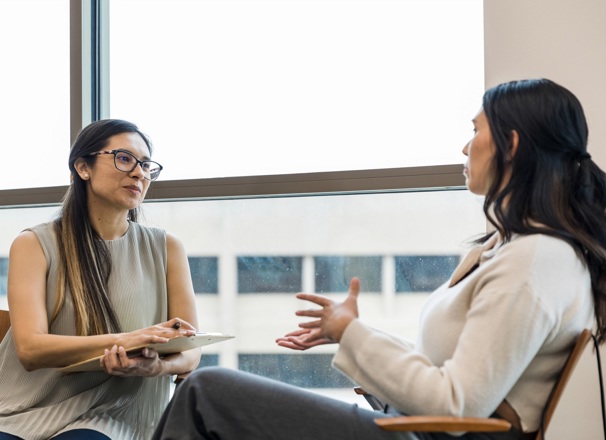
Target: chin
x=474 y=190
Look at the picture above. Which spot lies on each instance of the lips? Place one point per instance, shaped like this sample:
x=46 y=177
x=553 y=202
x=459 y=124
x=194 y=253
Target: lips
x=133 y=188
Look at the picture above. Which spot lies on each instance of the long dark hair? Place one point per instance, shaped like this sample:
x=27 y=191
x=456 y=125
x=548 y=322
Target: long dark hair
x=555 y=188
x=85 y=260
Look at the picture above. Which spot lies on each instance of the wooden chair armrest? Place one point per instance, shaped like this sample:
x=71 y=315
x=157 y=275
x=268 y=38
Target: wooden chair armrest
x=437 y=423
x=442 y=424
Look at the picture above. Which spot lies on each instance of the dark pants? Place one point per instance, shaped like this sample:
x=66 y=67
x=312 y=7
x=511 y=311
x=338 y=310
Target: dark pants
x=76 y=434
x=217 y=403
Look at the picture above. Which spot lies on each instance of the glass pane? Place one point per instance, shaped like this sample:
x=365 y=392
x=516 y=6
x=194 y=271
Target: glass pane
x=332 y=274
x=269 y=274
x=304 y=370
x=3 y=275
x=250 y=87
x=423 y=273
x=34 y=86
x=204 y=274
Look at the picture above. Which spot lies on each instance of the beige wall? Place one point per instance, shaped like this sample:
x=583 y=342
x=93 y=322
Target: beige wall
x=563 y=40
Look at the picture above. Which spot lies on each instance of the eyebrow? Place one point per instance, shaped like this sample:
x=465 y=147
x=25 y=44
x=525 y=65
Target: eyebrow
x=144 y=157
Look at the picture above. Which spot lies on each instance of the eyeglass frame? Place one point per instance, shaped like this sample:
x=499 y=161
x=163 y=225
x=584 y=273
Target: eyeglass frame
x=137 y=162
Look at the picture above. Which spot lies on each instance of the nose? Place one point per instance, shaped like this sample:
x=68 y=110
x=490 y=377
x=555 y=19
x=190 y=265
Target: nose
x=466 y=149
x=137 y=171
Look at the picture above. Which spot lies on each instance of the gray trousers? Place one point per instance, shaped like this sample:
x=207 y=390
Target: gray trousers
x=218 y=403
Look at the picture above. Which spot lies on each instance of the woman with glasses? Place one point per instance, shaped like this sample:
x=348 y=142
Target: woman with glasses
x=95 y=282
x=492 y=339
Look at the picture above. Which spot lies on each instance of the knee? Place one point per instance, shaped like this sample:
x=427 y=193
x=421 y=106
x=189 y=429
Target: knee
x=206 y=373
x=203 y=378
x=208 y=386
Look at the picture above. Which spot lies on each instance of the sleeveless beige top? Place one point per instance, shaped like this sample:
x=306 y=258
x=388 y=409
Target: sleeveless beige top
x=42 y=403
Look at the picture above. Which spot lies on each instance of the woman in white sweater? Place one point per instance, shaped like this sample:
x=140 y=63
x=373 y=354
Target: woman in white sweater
x=492 y=339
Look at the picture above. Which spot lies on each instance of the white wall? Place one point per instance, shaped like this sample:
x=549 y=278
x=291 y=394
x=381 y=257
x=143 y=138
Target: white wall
x=563 y=40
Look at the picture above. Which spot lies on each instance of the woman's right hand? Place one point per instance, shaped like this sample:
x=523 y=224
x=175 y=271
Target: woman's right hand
x=156 y=334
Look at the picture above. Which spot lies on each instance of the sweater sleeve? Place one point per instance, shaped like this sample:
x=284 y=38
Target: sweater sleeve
x=507 y=310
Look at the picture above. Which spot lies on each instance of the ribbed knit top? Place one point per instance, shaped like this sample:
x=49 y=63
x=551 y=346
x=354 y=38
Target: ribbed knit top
x=42 y=403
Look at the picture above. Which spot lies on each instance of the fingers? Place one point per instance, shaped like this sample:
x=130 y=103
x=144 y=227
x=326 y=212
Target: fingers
x=303 y=339
x=311 y=324
x=311 y=313
x=291 y=344
x=178 y=323
x=298 y=344
x=316 y=299
x=149 y=353
x=354 y=288
x=114 y=360
x=296 y=333
x=117 y=362
x=354 y=291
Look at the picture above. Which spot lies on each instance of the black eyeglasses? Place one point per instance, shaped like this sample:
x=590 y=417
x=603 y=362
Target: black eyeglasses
x=125 y=161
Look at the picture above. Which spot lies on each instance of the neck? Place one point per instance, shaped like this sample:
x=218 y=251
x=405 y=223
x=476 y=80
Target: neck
x=108 y=227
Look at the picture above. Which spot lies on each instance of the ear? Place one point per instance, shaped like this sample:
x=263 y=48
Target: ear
x=82 y=169
x=515 y=140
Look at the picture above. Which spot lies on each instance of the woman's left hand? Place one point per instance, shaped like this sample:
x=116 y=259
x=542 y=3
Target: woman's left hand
x=333 y=319
x=117 y=363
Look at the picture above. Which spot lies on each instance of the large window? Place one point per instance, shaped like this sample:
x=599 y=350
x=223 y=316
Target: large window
x=257 y=87
x=34 y=93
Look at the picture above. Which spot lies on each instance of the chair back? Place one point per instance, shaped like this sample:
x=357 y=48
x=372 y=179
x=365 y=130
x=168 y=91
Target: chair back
x=558 y=389
x=5 y=323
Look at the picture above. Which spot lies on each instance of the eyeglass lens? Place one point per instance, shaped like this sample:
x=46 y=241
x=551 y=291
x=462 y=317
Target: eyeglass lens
x=127 y=162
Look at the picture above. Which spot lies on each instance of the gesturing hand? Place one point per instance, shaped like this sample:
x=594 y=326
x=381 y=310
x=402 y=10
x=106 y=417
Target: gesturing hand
x=332 y=320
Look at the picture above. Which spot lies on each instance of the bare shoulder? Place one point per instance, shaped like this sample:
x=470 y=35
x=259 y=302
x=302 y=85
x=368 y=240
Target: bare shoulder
x=27 y=241
x=173 y=241
x=174 y=247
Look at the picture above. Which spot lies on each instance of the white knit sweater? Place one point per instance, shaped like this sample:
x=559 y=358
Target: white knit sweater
x=502 y=332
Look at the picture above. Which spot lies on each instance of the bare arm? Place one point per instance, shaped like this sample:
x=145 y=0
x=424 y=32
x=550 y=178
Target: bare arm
x=37 y=348
x=181 y=301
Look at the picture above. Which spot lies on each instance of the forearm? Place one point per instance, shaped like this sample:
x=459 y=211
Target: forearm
x=180 y=363
x=52 y=351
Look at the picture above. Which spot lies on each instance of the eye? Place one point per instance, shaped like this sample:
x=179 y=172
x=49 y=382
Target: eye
x=146 y=166
x=125 y=158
